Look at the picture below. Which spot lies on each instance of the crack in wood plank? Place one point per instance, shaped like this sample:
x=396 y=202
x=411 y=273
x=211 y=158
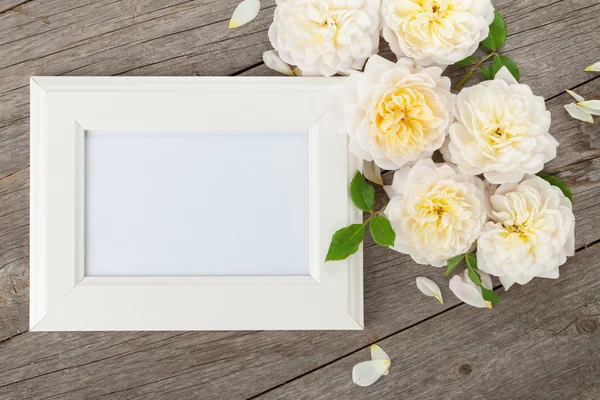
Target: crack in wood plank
x=444 y=314
x=14 y=7
x=317 y=368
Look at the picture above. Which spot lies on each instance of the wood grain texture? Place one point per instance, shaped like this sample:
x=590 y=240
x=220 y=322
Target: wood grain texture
x=476 y=353
x=543 y=342
x=115 y=38
x=14 y=254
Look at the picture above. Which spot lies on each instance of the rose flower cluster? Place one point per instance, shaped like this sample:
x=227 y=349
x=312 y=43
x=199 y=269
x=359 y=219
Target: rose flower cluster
x=494 y=137
x=485 y=199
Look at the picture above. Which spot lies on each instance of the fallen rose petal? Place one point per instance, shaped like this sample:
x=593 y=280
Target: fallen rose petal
x=372 y=172
x=245 y=12
x=368 y=372
x=486 y=280
x=579 y=113
x=377 y=353
x=467 y=291
x=575 y=95
x=272 y=60
x=429 y=288
x=594 y=67
x=591 y=106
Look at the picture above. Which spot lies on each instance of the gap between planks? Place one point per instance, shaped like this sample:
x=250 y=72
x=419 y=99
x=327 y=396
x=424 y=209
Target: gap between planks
x=258 y=395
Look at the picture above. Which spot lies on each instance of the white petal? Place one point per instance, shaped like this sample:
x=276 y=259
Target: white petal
x=594 y=67
x=388 y=189
x=245 y=12
x=429 y=288
x=372 y=172
x=506 y=282
x=272 y=60
x=552 y=274
x=575 y=95
x=505 y=75
x=297 y=71
x=368 y=372
x=376 y=60
x=397 y=186
x=467 y=291
x=579 y=113
x=377 y=353
x=486 y=280
x=591 y=106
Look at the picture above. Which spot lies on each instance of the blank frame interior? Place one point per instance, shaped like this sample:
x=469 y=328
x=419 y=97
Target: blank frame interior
x=196 y=203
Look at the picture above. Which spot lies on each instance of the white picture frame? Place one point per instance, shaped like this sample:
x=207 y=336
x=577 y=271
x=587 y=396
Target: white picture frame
x=62 y=298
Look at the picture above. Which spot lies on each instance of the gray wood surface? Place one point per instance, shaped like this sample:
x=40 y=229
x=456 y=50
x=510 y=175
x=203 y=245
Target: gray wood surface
x=542 y=343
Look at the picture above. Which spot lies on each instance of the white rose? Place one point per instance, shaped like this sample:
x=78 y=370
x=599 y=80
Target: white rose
x=396 y=113
x=436 y=212
x=530 y=234
x=501 y=130
x=325 y=37
x=436 y=31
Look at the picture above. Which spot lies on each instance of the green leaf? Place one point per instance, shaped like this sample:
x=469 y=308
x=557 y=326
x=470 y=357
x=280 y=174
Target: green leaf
x=559 y=183
x=471 y=260
x=497 y=34
x=471 y=60
x=486 y=72
x=453 y=263
x=345 y=242
x=382 y=231
x=490 y=295
x=475 y=277
x=361 y=193
x=503 y=61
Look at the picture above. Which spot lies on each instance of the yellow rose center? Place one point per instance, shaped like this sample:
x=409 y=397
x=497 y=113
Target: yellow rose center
x=504 y=133
x=439 y=212
x=519 y=229
x=525 y=218
x=429 y=24
x=329 y=22
x=404 y=118
x=433 y=11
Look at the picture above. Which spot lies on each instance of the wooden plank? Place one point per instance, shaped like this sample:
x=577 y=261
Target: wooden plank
x=115 y=38
x=14 y=254
x=543 y=342
x=11 y=6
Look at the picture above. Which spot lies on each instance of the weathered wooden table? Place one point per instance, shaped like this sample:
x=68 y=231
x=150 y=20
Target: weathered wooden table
x=543 y=342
